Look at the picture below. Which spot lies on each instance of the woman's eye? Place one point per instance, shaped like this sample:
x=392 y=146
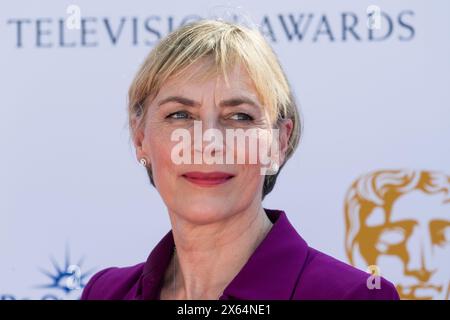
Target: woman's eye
x=241 y=117
x=178 y=115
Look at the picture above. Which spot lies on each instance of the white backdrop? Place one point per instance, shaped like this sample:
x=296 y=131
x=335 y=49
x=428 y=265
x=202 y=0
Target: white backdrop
x=69 y=181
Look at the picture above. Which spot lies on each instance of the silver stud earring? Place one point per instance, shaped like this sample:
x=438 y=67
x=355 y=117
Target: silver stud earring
x=143 y=162
x=275 y=167
x=272 y=169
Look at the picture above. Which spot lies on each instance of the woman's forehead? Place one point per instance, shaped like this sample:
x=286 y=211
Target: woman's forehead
x=204 y=74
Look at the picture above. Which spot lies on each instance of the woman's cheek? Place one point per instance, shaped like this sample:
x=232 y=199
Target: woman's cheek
x=243 y=150
x=164 y=153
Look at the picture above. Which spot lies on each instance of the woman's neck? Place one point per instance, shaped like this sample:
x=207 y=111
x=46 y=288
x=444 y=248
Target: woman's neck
x=209 y=256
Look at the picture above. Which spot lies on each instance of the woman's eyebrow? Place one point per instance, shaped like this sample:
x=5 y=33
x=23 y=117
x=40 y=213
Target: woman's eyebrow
x=224 y=103
x=237 y=101
x=179 y=99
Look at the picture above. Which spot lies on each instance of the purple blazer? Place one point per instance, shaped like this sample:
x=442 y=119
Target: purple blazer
x=283 y=267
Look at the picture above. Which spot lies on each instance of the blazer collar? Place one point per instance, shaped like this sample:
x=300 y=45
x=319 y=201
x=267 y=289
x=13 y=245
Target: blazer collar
x=271 y=272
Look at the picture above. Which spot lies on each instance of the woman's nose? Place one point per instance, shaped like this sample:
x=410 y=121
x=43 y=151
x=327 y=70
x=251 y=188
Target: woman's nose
x=210 y=119
x=208 y=136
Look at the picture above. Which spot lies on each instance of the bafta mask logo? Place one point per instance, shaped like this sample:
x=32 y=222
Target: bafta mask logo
x=399 y=220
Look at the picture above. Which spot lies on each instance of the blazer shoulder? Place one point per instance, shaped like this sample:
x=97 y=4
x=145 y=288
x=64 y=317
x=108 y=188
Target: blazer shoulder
x=113 y=283
x=325 y=277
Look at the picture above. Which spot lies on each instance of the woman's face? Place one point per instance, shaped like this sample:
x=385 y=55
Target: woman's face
x=172 y=122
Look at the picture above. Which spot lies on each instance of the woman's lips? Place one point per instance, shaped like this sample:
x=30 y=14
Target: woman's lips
x=207 y=179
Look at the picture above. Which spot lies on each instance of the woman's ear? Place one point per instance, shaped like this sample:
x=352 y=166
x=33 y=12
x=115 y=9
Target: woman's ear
x=138 y=139
x=285 y=127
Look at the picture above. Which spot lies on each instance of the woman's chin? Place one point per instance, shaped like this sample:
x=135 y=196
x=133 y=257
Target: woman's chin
x=205 y=212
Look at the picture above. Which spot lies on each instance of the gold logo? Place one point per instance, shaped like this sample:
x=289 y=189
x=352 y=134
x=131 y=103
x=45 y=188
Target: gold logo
x=399 y=220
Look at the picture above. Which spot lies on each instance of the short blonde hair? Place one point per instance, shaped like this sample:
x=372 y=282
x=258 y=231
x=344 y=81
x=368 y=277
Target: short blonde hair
x=227 y=44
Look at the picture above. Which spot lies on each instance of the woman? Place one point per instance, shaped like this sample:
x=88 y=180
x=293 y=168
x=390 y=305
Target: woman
x=204 y=80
